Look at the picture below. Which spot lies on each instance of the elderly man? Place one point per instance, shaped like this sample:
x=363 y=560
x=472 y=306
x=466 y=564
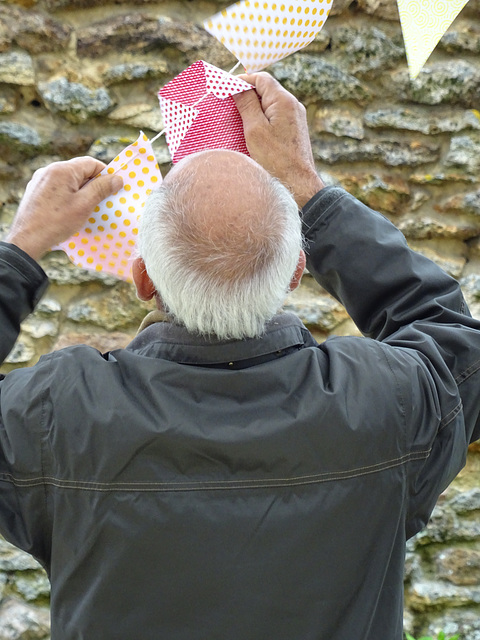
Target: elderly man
x=225 y=477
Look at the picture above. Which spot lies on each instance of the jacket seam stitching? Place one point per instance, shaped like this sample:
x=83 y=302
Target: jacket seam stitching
x=462 y=377
x=451 y=416
x=216 y=484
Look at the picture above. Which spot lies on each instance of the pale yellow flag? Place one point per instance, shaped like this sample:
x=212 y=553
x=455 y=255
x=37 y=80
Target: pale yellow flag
x=423 y=24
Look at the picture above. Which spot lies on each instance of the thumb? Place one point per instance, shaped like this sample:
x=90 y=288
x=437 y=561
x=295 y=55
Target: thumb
x=100 y=188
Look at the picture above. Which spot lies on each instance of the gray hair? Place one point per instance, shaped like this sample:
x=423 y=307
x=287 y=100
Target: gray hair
x=226 y=282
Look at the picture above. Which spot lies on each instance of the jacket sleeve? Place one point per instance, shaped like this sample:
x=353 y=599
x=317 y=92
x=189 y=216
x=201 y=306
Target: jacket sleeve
x=402 y=299
x=22 y=283
x=22 y=496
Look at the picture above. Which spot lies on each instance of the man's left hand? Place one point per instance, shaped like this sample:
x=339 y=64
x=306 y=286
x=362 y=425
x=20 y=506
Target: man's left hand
x=57 y=203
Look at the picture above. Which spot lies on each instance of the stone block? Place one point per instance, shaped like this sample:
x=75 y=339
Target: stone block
x=429 y=122
x=8 y=101
x=319 y=311
x=381 y=192
x=341 y=122
x=426 y=228
x=19 y=621
x=467 y=501
x=459 y=566
x=138 y=70
x=463 y=203
x=16 y=67
x=141 y=116
x=22 y=353
x=464 y=622
x=426 y=594
x=439 y=178
x=32 y=585
x=391 y=153
x=74 y=101
x=455 y=82
x=464 y=153
x=34 y=31
x=139 y=32
x=463 y=37
x=19 y=139
x=385 y=9
x=12 y=559
x=365 y=49
x=112 y=310
x=312 y=79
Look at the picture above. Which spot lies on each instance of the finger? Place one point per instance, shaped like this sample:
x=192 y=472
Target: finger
x=100 y=188
x=86 y=167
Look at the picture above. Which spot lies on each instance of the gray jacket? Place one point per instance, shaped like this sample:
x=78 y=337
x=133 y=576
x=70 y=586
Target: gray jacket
x=186 y=489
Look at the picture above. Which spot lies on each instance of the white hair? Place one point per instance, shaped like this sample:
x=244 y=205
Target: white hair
x=227 y=280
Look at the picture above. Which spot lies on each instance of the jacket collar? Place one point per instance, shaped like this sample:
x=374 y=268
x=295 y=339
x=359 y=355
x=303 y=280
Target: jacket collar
x=160 y=339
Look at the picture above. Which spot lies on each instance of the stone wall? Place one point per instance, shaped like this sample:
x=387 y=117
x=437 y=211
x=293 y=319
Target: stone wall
x=81 y=76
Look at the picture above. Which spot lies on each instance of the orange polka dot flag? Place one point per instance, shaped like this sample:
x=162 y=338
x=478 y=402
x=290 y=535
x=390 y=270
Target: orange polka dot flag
x=263 y=32
x=107 y=241
x=199 y=112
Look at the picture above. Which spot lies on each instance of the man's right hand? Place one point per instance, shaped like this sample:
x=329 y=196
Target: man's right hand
x=276 y=133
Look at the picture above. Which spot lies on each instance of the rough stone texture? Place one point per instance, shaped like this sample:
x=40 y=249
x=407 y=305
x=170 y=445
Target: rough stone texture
x=141 y=116
x=339 y=122
x=33 y=31
x=310 y=77
x=138 y=32
x=385 y=9
x=365 y=50
x=467 y=203
x=8 y=100
x=462 y=38
x=426 y=228
x=19 y=138
x=76 y=102
x=81 y=77
x=459 y=566
x=16 y=68
x=385 y=193
x=391 y=153
x=138 y=70
x=464 y=153
x=452 y=82
x=115 y=309
x=431 y=123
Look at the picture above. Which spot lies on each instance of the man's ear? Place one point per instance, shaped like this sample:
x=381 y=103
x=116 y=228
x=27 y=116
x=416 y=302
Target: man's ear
x=143 y=284
x=297 y=276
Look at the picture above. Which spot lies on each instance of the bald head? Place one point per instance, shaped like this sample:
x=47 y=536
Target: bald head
x=226 y=200
x=221 y=240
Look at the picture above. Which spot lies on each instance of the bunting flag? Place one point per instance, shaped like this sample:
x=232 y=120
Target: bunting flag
x=423 y=24
x=107 y=242
x=200 y=113
x=260 y=33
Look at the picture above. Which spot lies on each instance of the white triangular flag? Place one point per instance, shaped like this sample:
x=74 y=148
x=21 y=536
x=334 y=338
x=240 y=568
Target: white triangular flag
x=423 y=24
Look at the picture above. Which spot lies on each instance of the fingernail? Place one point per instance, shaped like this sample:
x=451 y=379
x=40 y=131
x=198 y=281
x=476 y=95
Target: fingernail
x=117 y=183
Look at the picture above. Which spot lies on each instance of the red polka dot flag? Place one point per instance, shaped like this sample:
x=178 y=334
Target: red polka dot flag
x=199 y=112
